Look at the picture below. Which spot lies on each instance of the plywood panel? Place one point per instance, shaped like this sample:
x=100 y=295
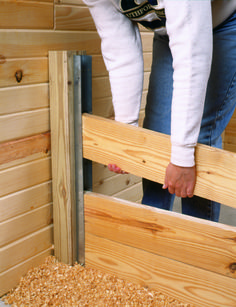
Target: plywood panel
x=163 y=233
x=31 y=70
x=23 y=176
x=184 y=282
x=26 y=14
x=147 y=153
x=23 y=98
x=27 y=247
x=73 y=18
x=25 y=200
x=20 y=226
x=11 y=277
x=20 y=125
x=25 y=44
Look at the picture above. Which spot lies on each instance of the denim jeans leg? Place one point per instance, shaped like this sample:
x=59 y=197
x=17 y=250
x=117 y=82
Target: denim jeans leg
x=219 y=107
x=158 y=114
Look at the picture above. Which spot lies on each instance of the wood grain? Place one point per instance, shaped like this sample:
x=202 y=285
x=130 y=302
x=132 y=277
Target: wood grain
x=26 y=14
x=20 y=226
x=62 y=138
x=184 y=282
x=24 y=98
x=25 y=200
x=24 y=147
x=25 y=248
x=23 y=124
x=146 y=153
x=164 y=233
x=23 y=176
x=32 y=70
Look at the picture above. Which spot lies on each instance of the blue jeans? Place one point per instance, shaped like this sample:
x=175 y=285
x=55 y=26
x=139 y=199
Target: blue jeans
x=219 y=106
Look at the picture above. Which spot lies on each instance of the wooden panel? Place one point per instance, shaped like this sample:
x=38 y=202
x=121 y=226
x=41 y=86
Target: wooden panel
x=75 y=2
x=73 y=18
x=25 y=200
x=133 y=193
x=146 y=153
x=20 y=226
x=184 y=282
x=23 y=98
x=24 y=176
x=11 y=277
x=147 y=39
x=22 y=148
x=163 y=233
x=26 y=15
x=32 y=70
x=62 y=132
x=115 y=184
x=25 y=248
x=15 y=44
x=24 y=124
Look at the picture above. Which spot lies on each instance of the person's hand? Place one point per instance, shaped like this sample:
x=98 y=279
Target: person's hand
x=180 y=180
x=116 y=169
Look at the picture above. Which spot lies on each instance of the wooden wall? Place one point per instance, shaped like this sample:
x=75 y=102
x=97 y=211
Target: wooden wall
x=28 y=30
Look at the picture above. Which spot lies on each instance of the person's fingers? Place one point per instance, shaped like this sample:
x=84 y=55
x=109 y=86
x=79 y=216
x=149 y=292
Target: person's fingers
x=116 y=169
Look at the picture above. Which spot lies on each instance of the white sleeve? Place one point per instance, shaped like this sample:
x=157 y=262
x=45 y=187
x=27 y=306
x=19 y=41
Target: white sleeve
x=122 y=53
x=189 y=27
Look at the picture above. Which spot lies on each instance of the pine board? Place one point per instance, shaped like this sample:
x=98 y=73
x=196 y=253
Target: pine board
x=25 y=248
x=164 y=233
x=25 y=200
x=184 y=282
x=24 y=98
x=26 y=14
x=140 y=151
x=24 y=124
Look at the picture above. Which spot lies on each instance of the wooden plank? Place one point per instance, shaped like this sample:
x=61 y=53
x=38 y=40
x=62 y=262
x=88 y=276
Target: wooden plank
x=25 y=200
x=62 y=138
x=25 y=44
x=74 y=2
x=23 y=176
x=24 y=98
x=184 y=282
x=22 y=148
x=20 y=226
x=115 y=184
x=69 y=17
x=164 y=233
x=25 y=248
x=10 y=278
x=32 y=70
x=24 y=124
x=133 y=193
x=26 y=14
x=147 y=153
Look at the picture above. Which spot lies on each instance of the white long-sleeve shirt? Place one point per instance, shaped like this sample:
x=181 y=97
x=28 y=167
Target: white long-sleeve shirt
x=188 y=23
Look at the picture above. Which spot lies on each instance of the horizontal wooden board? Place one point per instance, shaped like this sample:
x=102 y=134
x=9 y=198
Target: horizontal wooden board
x=32 y=71
x=25 y=200
x=10 y=278
x=24 y=124
x=25 y=248
x=133 y=193
x=164 y=233
x=23 y=176
x=69 y=17
x=25 y=44
x=25 y=224
x=74 y=2
x=146 y=153
x=115 y=184
x=22 y=148
x=23 y=98
x=184 y=282
x=26 y=14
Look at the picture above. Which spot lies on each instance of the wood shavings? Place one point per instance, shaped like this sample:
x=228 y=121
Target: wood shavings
x=57 y=284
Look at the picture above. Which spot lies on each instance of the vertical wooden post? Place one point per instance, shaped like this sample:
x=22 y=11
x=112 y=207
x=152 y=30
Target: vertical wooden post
x=62 y=140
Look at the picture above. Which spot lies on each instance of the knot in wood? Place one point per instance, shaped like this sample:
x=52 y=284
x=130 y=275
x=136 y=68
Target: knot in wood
x=19 y=75
x=232 y=267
